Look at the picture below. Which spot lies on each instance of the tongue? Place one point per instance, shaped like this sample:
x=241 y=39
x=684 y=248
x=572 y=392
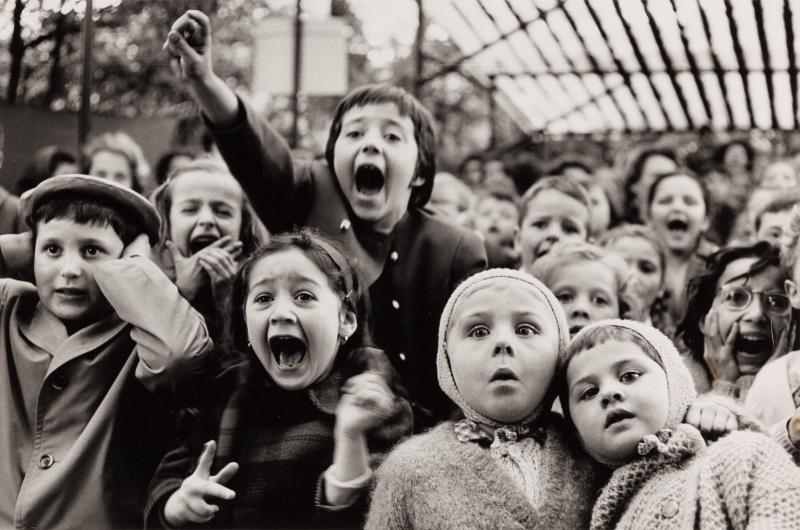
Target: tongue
x=290 y=359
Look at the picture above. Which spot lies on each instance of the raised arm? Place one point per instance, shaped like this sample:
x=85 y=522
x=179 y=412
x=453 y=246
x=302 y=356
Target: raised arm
x=172 y=338
x=255 y=153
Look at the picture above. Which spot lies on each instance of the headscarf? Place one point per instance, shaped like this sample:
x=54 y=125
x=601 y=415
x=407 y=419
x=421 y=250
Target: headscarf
x=445 y=372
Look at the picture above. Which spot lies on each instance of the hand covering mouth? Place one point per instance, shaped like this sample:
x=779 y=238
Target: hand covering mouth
x=616 y=416
x=287 y=350
x=369 y=179
x=503 y=374
x=198 y=243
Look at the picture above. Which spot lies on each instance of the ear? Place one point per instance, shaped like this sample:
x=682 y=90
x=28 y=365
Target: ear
x=347 y=323
x=793 y=292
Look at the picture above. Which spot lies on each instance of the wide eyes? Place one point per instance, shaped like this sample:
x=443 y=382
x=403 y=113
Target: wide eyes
x=629 y=377
x=523 y=330
x=478 y=332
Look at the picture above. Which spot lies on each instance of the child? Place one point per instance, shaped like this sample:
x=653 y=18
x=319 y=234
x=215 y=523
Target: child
x=638 y=180
x=774 y=397
x=739 y=318
x=772 y=221
x=452 y=200
x=82 y=351
x=552 y=210
x=367 y=194
x=497 y=220
x=293 y=419
x=582 y=172
x=641 y=249
x=117 y=157
x=509 y=463
x=207 y=226
x=590 y=283
x=626 y=392
x=677 y=213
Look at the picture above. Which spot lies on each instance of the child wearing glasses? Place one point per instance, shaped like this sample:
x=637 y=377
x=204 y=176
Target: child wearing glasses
x=738 y=318
x=774 y=397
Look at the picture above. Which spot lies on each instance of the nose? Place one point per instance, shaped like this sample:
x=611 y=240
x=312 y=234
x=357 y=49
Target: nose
x=70 y=265
x=755 y=311
x=282 y=312
x=577 y=309
x=611 y=394
x=206 y=217
x=503 y=347
x=371 y=142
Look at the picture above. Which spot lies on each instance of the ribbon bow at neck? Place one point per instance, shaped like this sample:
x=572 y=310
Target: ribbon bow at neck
x=469 y=431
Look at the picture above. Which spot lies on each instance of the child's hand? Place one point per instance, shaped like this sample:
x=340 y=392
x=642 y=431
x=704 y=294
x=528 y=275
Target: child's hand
x=718 y=352
x=794 y=428
x=188 y=504
x=711 y=419
x=366 y=401
x=138 y=247
x=189 y=44
x=216 y=262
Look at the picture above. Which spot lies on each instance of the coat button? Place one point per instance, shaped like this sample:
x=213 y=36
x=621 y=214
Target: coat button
x=393 y=256
x=669 y=509
x=402 y=356
x=344 y=226
x=395 y=304
x=58 y=382
x=46 y=461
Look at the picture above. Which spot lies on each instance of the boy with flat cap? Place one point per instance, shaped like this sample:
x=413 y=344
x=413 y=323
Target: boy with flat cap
x=84 y=354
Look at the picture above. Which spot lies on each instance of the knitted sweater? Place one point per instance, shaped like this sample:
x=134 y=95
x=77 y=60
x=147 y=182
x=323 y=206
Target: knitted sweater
x=435 y=481
x=743 y=481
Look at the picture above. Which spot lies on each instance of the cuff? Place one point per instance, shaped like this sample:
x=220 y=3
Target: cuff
x=726 y=388
x=780 y=433
x=239 y=122
x=351 y=490
x=154 y=509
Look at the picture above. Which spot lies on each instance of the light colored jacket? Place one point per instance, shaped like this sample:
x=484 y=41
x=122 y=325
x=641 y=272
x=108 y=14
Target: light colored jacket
x=79 y=437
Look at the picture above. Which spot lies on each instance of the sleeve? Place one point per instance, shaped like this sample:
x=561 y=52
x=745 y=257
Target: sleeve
x=470 y=257
x=172 y=339
x=388 y=508
x=174 y=467
x=259 y=158
x=780 y=433
x=770 y=483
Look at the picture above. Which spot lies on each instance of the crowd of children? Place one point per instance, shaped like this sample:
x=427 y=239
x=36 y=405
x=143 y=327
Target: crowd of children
x=248 y=340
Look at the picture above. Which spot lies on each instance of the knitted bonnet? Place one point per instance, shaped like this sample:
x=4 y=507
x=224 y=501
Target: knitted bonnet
x=445 y=372
x=680 y=387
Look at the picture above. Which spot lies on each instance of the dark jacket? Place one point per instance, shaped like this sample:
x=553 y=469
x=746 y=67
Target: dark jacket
x=410 y=271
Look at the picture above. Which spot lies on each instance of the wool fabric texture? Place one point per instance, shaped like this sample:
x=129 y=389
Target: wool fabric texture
x=680 y=387
x=445 y=372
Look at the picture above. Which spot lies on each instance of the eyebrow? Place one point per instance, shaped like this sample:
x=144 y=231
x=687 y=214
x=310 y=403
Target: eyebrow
x=384 y=120
x=293 y=276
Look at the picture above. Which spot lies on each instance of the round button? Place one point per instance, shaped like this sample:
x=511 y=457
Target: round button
x=46 y=461
x=58 y=382
x=402 y=356
x=669 y=509
x=393 y=256
x=395 y=304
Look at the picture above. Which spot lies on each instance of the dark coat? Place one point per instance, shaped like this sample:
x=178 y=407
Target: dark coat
x=411 y=271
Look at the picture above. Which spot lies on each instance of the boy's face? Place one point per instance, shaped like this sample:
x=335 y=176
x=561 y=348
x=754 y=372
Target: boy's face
x=654 y=166
x=587 y=292
x=503 y=344
x=112 y=166
x=774 y=227
x=759 y=329
x=551 y=217
x=779 y=176
x=678 y=213
x=617 y=396
x=65 y=255
x=375 y=159
x=645 y=264
x=497 y=220
x=205 y=207
x=601 y=209
x=444 y=201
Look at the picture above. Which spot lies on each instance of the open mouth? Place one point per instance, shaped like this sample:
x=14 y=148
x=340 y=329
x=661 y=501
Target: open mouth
x=573 y=330
x=288 y=351
x=200 y=242
x=678 y=225
x=754 y=345
x=503 y=374
x=616 y=416
x=369 y=179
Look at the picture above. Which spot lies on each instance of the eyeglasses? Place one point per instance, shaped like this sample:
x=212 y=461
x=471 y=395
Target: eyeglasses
x=739 y=297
